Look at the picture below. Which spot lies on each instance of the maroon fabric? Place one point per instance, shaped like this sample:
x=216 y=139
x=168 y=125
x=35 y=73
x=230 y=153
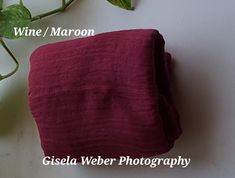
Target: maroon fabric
x=107 y=95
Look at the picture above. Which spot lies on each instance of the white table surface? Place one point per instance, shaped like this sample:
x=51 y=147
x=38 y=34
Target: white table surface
x=200 y=34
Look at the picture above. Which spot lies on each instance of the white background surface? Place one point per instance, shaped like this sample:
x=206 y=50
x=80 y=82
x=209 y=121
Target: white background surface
x=200 y=34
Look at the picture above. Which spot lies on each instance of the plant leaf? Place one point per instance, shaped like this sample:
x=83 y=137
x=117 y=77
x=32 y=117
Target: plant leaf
x=13 y=16
x=125 y=4
x=1 y=3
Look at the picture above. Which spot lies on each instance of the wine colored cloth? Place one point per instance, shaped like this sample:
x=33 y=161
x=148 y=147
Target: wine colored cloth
x=108 y=95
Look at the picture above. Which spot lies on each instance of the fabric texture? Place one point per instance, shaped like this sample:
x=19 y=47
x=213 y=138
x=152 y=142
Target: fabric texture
x=108 y=95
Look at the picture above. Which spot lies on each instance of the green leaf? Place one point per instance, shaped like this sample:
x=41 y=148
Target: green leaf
x=125 y=4
x=13 y=16
x=1 y=2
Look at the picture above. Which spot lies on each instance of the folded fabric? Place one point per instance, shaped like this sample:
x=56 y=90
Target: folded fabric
x=107 y=95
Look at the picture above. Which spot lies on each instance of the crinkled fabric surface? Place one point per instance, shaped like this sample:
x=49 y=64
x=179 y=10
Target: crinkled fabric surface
x=106 y=95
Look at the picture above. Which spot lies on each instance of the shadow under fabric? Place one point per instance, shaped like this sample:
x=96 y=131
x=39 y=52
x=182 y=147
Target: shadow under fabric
x=106 y=95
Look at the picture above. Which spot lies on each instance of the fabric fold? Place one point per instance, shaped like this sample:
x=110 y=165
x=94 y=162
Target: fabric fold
x=108 y=95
